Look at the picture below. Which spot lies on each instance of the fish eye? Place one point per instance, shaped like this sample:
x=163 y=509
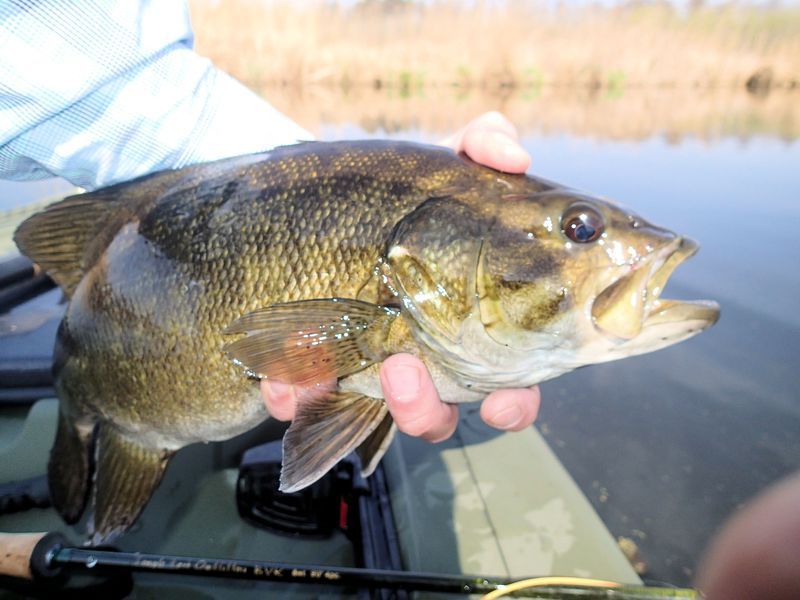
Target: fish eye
x=582 y=224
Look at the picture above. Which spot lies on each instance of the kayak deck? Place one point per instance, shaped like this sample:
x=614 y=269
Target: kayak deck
x=482 y=502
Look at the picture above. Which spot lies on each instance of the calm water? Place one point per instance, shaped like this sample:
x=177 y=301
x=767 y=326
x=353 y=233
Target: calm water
x=668 y=444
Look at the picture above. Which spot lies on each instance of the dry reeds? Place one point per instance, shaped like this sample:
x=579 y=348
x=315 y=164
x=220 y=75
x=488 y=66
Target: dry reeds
x=495 y=45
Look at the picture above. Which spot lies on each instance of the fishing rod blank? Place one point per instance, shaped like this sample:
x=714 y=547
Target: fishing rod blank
x=46 y=556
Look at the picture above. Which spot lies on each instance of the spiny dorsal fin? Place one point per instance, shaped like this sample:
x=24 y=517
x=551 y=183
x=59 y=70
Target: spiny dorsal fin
x=68 y=237
x=58 y=237
x=311 y=341
x=324 y=431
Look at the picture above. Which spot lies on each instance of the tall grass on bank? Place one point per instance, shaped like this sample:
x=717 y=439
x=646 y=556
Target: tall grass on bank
x=491 y=45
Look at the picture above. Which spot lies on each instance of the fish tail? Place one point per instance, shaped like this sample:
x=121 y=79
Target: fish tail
x=127 y=474
x=69 y=468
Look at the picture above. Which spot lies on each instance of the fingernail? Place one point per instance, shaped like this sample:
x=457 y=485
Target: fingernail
x=507 y=418
x=404 y=383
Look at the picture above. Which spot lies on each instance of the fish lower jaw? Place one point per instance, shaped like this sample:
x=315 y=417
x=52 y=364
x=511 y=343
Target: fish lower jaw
x=658 y=310
x=701 y=313
x=669 y=322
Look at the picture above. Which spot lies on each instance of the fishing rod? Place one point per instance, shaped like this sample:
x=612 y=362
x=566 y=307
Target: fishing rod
x=48 y=556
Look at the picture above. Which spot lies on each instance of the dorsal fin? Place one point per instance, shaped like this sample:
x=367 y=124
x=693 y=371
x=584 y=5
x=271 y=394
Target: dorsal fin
x=57 y=238
x=69 y=236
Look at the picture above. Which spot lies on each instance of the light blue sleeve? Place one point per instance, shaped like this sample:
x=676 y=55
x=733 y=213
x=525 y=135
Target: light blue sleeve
x=101 y=91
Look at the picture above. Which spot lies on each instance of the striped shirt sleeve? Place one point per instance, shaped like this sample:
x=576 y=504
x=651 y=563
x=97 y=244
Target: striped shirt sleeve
x=101 y=91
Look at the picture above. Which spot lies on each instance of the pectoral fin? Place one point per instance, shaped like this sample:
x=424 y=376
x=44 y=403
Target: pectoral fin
x=126 y=476
x=324 y=431
x=311 y=341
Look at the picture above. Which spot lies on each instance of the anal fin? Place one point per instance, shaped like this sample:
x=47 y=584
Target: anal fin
x=126 y=476
x=69 y=469
x=324 y=431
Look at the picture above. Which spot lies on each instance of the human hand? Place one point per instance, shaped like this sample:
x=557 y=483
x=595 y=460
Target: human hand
x=491 y=140
x=410 y=394
x=757 y=553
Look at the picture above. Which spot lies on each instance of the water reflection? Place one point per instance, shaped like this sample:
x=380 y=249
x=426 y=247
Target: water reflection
x=618 y=114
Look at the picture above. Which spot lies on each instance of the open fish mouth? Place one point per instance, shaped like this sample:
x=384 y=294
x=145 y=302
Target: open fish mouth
x=633 y=302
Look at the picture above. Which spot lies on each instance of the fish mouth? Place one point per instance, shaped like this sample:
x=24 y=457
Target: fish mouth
x=633 y=302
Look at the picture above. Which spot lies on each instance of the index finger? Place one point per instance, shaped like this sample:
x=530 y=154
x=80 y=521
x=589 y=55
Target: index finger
x=491 y=140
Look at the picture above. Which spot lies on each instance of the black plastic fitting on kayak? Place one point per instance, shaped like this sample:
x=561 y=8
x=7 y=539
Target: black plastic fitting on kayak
x=14 y=269
x=17 y=496
x=20 y=291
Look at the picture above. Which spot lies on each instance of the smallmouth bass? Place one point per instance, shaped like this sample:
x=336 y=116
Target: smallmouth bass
x=310 y=265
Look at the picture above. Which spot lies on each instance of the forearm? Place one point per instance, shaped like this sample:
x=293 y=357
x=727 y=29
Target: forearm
x=99 y=94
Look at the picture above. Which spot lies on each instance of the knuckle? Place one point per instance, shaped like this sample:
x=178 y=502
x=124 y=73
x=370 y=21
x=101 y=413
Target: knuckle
x=417 y=425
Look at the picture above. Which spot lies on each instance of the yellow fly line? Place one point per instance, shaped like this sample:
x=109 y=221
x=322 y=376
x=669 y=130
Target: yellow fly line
x=549 y=582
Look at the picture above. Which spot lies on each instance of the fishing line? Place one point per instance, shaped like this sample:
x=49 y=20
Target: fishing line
x=505 y=590
x=589 y=589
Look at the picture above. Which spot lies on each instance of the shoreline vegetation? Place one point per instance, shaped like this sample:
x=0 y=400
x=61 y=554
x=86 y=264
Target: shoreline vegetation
x=628 y=71
x=512 y=44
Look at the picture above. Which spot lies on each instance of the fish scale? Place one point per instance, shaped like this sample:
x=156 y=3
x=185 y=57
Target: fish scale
x=309 y=265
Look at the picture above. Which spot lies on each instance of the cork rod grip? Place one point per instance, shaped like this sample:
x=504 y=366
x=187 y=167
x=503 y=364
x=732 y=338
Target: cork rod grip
x=16 y=551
